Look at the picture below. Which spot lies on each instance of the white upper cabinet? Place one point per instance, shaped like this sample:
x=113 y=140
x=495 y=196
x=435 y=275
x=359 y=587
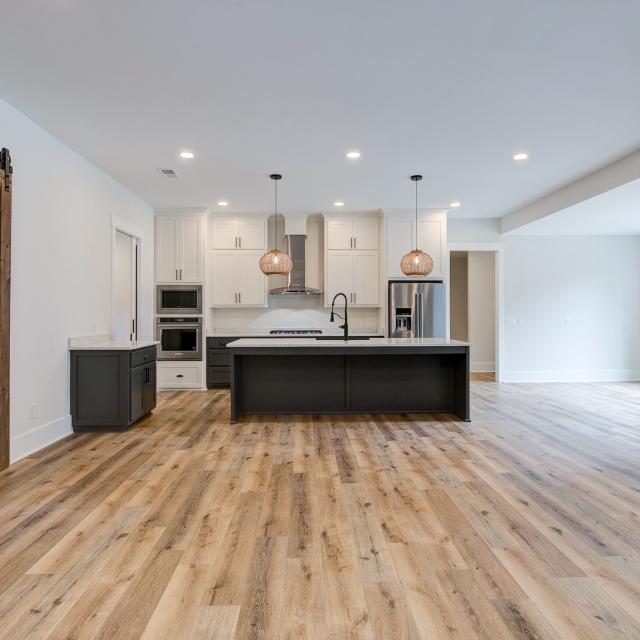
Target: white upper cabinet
x=339 y=275
x=365 y=235
x=352 y=233
x=431 y=239
x=167 y=249
x=354 y=273
x=339 y=234
x=236 y=280
x=365 y=279
x=352 y=259
x=179 y=249
x=223 y=280
x=238 y=233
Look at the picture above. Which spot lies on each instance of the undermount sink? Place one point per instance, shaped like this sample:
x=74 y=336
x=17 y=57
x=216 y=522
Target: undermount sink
x=342 y=339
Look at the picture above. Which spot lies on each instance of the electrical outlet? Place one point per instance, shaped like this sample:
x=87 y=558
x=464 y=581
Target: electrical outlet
x=32 y=411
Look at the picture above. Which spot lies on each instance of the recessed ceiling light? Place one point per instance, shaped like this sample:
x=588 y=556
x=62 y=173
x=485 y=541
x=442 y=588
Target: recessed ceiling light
x=352 y=155
x=187 y=155
x=455 y=204
x=338 y=204
x=222 y=203
x=520 y=156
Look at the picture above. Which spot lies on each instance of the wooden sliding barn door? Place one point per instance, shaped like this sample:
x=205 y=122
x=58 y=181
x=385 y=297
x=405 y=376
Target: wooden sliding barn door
x=5 y=291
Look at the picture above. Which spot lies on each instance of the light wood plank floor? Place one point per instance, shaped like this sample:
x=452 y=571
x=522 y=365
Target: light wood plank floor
x=522 y=524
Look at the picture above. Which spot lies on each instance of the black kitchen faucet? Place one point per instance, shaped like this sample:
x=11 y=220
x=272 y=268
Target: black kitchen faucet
x=344 y=326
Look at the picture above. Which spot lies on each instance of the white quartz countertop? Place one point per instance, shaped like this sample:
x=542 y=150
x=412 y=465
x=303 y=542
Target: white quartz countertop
x=372 y=342
x=98 y=344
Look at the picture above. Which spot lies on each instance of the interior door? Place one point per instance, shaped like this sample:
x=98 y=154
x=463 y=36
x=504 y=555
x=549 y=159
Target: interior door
x=251 y=234
x=125 y=287
x=166 y=249
x=6 y=171
x=223 y=278
x=251 y=281
x=365 y=235
x=365 y=278
x=339 y=274
x=191 y=251
x=339 y=234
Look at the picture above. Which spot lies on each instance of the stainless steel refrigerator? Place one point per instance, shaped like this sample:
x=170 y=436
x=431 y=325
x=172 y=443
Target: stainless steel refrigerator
x=416 y=309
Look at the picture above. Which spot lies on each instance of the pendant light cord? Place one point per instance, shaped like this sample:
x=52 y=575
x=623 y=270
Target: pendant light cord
x=416 y=215
x=276 y=214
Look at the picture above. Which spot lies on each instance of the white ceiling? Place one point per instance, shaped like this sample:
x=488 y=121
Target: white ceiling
x=448 y=89
x=615 y=212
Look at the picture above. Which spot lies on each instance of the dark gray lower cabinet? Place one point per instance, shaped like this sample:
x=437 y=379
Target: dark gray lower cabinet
x=110 y=390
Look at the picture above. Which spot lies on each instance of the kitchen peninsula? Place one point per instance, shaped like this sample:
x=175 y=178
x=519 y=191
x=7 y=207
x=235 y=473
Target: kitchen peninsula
x=379 y=375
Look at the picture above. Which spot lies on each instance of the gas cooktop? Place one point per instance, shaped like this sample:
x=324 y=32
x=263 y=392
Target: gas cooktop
x=295 y=332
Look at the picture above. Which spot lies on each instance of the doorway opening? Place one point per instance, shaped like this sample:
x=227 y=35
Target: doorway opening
x=125 y=285
x=6 y=171
x=474 y=308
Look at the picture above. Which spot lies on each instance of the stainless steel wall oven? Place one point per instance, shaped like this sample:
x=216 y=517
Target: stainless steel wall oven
x=180 y=338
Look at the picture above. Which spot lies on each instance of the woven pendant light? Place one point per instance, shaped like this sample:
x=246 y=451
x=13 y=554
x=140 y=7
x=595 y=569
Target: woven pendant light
x=276 y=262
x=416 y=262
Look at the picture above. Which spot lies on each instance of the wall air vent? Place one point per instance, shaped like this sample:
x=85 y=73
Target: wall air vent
x=168 y=173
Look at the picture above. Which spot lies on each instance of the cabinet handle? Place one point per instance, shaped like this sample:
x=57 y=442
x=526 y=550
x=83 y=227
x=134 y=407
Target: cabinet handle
x=350 y=243
x=180 y=274
x=239 y=242
x=354 y=298
x=355 y=243
x=177 y=275
x=239 y=298
x=179 y=376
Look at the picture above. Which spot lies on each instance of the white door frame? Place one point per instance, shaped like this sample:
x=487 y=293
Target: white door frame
x=498 y=249
x=124 y=226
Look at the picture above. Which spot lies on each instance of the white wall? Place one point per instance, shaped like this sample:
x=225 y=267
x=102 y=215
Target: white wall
x=572 y=308
x=61 y=271
x=571 y=303
x=482 y=303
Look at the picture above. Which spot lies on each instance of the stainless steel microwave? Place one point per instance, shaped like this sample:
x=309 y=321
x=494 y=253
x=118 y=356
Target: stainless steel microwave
x=178 y=298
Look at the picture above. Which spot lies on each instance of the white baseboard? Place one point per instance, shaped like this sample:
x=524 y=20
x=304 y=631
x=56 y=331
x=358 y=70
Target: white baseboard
x=482 y=367
x=44 y=435
x=573 y=375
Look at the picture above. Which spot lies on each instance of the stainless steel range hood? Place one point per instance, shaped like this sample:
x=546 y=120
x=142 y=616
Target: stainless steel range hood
x=296 y=279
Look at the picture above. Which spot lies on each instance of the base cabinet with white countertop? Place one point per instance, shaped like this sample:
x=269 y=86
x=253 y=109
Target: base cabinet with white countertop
x=112 y=386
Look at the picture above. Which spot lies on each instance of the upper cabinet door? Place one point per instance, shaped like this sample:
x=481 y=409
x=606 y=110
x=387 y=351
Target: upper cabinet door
x=223 y=286
x=339 y=234
x=339 y=275
x=251 y=281
x=431 y=240
x=400 y=240
x=190 y=249
x=167 y=259
x=251 y=234
x=365 y=278
x=365 y=235
x=224 y=234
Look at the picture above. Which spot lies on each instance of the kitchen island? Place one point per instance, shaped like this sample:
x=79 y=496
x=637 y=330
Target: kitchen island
x=379 y=375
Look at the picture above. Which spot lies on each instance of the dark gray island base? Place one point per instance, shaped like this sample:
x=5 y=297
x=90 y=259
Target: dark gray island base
x=382 y=375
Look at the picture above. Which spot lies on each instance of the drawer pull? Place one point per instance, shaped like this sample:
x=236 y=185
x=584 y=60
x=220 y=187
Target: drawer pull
x=179 y=376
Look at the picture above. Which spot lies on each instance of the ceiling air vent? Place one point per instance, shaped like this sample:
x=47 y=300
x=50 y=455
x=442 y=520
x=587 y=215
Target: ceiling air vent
x=168 y=173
